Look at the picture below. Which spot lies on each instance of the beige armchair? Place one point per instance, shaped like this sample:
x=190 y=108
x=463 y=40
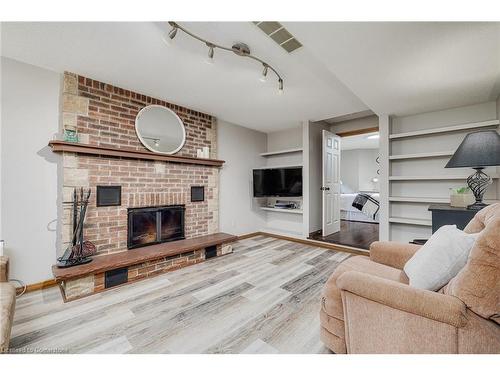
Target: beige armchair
x=7 y=304
x=368 y=306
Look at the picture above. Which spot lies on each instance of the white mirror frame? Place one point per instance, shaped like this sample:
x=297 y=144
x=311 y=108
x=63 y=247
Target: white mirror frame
x=144 y=143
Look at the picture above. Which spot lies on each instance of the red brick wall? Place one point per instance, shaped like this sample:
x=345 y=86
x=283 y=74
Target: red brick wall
x=112 y=112
x=105 y=115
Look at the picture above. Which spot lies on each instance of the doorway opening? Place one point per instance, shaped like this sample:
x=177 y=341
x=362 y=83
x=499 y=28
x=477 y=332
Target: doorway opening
x=358 y=201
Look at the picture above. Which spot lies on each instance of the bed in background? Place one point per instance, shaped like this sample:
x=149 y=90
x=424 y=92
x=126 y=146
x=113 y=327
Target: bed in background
x=348 y=212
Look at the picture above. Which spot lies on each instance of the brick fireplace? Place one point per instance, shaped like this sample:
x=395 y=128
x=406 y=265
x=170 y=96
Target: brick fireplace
x=104 y=115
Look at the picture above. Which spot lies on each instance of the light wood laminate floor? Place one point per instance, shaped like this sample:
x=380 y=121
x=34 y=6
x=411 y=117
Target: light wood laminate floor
x=263 y=298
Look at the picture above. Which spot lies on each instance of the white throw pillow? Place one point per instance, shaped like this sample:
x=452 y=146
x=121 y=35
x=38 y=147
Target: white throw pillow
x=440 y=259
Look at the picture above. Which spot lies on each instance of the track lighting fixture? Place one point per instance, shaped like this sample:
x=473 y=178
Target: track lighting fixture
x=263 y=77
x=239 y=49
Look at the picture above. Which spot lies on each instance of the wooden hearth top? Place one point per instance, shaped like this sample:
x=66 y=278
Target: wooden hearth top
x=140 y=255
x=80 y=148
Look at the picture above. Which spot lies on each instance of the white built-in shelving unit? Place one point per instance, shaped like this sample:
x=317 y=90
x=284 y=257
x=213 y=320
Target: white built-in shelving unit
x=419 y=147
x=284 y=150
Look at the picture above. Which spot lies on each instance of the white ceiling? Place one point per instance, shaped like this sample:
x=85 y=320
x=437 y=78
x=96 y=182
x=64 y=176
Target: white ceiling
x=360 y=141
x=405 y=68
x=343 y=68
x=134 y=56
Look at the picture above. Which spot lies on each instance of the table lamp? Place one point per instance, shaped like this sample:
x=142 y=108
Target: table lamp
x=478 y=150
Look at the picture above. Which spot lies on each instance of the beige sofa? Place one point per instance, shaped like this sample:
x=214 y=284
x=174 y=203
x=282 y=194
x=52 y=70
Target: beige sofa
x=368 y=306
x=7 y=304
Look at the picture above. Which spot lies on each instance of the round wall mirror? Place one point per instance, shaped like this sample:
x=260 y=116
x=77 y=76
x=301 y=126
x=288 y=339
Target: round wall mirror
x=160 y=129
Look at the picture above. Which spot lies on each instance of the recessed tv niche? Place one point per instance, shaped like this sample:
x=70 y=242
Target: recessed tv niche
x=277 y=182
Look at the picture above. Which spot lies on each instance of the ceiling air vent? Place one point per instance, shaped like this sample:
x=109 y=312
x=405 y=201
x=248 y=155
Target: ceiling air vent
x=279 y=34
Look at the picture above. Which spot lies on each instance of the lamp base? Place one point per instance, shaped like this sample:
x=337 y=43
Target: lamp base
x=478 y=182
x=476 y=206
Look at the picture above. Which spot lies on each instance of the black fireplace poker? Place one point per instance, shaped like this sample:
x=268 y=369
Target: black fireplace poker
x=78 y=251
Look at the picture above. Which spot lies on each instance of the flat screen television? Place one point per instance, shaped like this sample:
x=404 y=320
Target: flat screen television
x=277 y=182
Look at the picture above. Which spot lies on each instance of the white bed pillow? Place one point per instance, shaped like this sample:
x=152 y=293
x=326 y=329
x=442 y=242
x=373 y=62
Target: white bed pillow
x=440 y=259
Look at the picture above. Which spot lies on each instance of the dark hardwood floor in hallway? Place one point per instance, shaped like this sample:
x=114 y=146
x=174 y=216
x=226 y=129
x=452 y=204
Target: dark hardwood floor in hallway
x=352 y=233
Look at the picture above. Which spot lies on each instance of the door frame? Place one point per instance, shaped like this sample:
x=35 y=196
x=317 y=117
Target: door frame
x=358 y=131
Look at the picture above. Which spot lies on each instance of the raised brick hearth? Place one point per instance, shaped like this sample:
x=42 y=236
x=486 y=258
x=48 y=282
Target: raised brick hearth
x=86 y=279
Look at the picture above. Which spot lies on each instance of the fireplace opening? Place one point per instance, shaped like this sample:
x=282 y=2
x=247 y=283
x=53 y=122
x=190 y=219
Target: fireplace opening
x=153 y=225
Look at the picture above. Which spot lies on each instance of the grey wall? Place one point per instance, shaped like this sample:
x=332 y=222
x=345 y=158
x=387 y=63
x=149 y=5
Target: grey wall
x=240 y=148
x=357 y=168
x=349 y=171
x=284 y=140
x=30 y=118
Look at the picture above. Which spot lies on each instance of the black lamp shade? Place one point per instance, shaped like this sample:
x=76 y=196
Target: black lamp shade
x=479 y=149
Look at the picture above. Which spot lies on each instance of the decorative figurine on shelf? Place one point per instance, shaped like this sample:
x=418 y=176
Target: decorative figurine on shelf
x=70 y=134
x=203 y=153
x=78 y=251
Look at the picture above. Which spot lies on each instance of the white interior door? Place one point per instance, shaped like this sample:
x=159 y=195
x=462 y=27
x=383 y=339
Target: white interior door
x=331 y=183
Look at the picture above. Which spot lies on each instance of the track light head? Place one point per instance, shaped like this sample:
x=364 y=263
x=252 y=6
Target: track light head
x=280 y=86
x=172 y=33
x=263 y=77
x=211 y=49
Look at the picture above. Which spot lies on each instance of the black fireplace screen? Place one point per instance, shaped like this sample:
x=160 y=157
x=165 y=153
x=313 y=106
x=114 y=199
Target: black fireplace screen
x=152 y=225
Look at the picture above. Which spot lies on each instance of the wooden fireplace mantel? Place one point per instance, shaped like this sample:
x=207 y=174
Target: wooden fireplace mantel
x=80 y=148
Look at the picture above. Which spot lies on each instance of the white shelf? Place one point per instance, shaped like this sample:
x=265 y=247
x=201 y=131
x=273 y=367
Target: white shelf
x=281 y=152
x=280 y=166
x=424 y=178
x=419 y=200
x=447 y=129
x=429 y=178
x=422 y=155
x=404 y=220
x=283 y=210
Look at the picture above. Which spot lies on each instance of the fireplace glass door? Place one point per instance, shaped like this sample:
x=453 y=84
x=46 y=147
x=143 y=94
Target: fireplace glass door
x=152 y=225
x=171 y=218
x=142 y=228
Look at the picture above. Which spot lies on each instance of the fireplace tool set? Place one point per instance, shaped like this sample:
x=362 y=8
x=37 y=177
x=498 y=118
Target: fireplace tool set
x=78 y=251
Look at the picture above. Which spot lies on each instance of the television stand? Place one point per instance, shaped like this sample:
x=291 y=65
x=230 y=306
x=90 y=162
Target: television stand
x=292 y=205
